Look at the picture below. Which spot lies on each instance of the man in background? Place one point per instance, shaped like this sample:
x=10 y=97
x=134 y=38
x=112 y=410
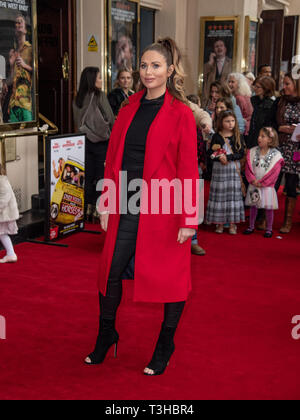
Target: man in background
x=218 y=67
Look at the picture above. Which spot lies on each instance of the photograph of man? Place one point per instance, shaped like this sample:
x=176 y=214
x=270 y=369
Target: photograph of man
x=218 y=67
x=21 y=62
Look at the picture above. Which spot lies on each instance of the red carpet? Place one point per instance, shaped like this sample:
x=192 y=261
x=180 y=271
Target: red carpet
x=234 y=341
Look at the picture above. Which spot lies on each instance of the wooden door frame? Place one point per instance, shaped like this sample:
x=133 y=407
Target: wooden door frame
x=72 y=45
x=278 y=44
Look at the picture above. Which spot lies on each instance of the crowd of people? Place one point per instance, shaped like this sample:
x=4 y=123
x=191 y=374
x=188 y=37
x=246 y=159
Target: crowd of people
x=240 y=112
x=244 y=146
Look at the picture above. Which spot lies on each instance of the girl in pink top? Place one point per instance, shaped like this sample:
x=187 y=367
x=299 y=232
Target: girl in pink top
x=263 y=167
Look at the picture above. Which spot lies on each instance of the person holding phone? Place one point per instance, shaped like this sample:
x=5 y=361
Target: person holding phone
x=218 y=67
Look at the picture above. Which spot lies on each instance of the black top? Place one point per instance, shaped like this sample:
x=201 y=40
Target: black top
x=136 y=138
x=219 y=140
x=116 y=97
x=261 y=117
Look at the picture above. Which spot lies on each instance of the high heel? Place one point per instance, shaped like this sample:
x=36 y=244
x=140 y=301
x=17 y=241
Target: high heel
x=164 y=349
x=107 y=337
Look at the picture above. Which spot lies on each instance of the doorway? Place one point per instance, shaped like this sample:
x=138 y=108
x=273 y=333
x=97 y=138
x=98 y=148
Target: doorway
x=57 y=67
x=57 y=52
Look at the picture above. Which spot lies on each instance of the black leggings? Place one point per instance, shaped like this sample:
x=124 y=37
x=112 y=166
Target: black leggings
x=124 y=251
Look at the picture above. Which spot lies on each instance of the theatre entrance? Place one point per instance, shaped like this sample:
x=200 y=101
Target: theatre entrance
x=56 y=55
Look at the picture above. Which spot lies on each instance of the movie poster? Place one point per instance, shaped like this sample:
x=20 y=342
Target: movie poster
x=17 y=69
x=218 y=51
x=65 y=184
x=123 y=37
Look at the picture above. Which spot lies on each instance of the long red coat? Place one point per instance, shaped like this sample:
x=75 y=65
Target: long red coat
x=162 y=265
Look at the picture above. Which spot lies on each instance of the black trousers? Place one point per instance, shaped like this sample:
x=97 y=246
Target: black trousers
x=124 y=251
x=291 y=184
x=94 y=169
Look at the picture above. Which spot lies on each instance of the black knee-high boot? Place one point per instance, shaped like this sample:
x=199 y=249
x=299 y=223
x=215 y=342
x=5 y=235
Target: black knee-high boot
x=107 y=335
x=165 y=346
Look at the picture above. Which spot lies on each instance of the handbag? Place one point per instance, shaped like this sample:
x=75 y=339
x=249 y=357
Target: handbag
x=254 y=196
x=93 y=123
x=296 y=156
x=244 y=189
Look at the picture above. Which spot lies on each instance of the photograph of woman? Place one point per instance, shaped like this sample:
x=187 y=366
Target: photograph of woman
x=154 y=138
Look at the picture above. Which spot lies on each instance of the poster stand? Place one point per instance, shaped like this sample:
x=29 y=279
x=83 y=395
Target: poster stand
x=65 y=179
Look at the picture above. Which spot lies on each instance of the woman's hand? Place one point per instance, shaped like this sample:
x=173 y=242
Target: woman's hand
x=104 y=221
x=184 y=234
x=206 y=128
x=287 y=129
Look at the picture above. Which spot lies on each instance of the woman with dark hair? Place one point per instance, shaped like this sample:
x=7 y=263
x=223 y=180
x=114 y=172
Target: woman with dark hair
x=93 y=116
x=154 y=140
x=221 y=90
x=262 y=108
x=122 y=90
x=286 y=115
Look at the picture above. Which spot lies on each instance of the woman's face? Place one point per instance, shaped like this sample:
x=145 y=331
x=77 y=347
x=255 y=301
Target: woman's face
x=98 y=83
x=233 y=84
x=125 y=80
x=289 y=87
x=220 y=107
x=20 y=25
x=259 y=89
x=154 y=71
x=215 y=94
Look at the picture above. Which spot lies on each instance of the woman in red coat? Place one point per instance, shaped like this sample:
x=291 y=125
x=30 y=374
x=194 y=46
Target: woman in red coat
x=153 y=144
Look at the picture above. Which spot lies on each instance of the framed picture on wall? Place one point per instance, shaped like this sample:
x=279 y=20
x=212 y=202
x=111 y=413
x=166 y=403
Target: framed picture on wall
x=218 y=51
x=18 y=69
x=251 y=40
x=122 y=37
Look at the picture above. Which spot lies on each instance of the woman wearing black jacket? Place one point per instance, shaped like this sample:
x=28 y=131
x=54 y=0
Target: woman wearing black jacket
x=122 y=90
x=262 y=105
x=93 y=115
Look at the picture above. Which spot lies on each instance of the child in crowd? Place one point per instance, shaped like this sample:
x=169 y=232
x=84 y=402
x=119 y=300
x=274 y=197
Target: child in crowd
x=263 y=167
x=222 y=104
x=8 y=215
x=225 y=203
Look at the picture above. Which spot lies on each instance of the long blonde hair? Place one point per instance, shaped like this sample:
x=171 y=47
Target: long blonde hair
x=168 y=48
